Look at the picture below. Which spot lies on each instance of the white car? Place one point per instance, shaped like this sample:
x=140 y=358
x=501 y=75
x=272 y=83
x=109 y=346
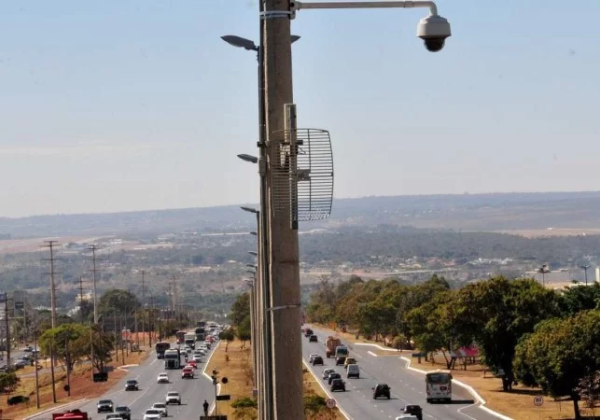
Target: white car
x=162 y=378
x=173 y=397
x=197 y=358
x=311 y=357
x=326 y=373
x=200 y=352
x=152 y=414
x=162 y=407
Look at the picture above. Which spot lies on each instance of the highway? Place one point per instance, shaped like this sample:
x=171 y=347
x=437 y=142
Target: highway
x=193 y=391
x=408 y=387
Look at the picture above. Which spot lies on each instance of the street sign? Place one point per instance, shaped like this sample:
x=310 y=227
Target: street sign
x=538 y=400
x=223 y=397
x=19 y=305
x=330 y=403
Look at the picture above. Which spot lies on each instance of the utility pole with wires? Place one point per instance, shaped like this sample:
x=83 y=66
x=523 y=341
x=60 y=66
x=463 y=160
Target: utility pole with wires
x=145 y=311
x=81 y=300
x=93 y=248
x=50 y=245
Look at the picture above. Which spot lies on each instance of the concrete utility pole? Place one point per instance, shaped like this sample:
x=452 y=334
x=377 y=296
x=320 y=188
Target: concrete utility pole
x=93 y=248
x=284 y=305
x=81 y=299
x=50 y=245
x=145 y=311
x=7 y=326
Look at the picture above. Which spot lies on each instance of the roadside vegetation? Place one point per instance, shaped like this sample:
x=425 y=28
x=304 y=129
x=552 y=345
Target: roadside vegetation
x=525 y=333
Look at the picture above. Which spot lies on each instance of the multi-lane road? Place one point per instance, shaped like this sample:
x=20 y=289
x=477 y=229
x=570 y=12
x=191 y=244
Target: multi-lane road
x=407 y=387
x=193 y=391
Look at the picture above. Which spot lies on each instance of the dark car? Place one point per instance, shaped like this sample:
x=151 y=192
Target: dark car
x=317 y=360
x=18 y=399
x=105 y=406
x=414 y=410
x=132 y=385
x=338 y=385
x=123 y=411
x=313 y=339
x=340 y=360
x=381 y=390
x=333 y=376
x=308 y=332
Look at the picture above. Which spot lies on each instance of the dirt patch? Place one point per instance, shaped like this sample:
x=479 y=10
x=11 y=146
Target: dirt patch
x=82 y=386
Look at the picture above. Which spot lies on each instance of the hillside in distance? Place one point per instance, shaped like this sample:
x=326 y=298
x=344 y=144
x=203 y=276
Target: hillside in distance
x=467 y=212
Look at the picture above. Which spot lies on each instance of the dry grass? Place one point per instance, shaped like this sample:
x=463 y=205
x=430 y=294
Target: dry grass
x=517 y=404
x=82 y=386
x=236 y=365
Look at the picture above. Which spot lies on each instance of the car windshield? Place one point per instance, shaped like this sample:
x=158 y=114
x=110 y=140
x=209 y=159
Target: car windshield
x=105 y=402
x=159 y=405
x=133 y=381
x=122 y=408
x=152 y=411
x=173 y=394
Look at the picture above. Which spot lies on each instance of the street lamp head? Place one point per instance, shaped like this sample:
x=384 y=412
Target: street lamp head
x=238 y=41
x=434 y=30
x=248 y=158
x=253 y=253
x=249 y=210
x=252 y=265
x=294 y=38
x=253 y=233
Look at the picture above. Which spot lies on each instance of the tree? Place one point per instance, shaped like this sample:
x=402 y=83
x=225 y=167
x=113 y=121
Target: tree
x=62 y=340
x=561 y=355
x=9 y=381
x=102 y=343
x=121 y=301
x=240 y=309
x=227 y=335
x=496 y=313
x=576 y=299
x=430 y=327
x=244 y=331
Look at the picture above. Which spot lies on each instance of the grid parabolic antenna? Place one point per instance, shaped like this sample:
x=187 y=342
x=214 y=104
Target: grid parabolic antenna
x=303 y=181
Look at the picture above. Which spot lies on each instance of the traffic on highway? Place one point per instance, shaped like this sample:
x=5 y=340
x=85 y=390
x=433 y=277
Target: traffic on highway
x=381 y=387
x=169 y=383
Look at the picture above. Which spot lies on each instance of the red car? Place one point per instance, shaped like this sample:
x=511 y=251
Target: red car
x=187 y=372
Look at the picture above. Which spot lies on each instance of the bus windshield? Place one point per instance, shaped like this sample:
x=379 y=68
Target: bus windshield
x=438 y=378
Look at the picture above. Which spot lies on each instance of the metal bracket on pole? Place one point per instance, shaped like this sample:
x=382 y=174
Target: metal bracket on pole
x=275 y=14
x=278 y=308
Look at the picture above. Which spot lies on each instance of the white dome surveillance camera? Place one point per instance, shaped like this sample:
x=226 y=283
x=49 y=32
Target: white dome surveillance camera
x=434 y=30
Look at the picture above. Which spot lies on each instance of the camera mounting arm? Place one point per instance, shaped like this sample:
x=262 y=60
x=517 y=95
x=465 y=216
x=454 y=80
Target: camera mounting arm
x=298 y=5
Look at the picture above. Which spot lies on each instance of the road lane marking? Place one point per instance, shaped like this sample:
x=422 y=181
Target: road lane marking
x=372 y=354
x=459 y=411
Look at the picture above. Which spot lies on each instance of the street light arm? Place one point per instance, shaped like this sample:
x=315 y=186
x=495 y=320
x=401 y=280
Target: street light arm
x=298 y=5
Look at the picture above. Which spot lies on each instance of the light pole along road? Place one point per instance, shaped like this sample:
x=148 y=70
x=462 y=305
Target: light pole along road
x=407 y=387
x=284 y=274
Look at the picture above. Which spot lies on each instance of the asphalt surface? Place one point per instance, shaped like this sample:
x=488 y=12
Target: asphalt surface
x=193 y=392
x=407 y=387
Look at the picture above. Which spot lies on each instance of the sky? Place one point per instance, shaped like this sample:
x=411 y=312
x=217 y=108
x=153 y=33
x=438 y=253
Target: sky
x=138 y=104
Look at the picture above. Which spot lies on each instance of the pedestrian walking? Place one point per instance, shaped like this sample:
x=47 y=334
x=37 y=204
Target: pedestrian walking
x=205 y=405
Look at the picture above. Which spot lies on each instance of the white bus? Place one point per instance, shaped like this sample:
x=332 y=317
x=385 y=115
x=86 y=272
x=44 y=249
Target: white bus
x=438 y=385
